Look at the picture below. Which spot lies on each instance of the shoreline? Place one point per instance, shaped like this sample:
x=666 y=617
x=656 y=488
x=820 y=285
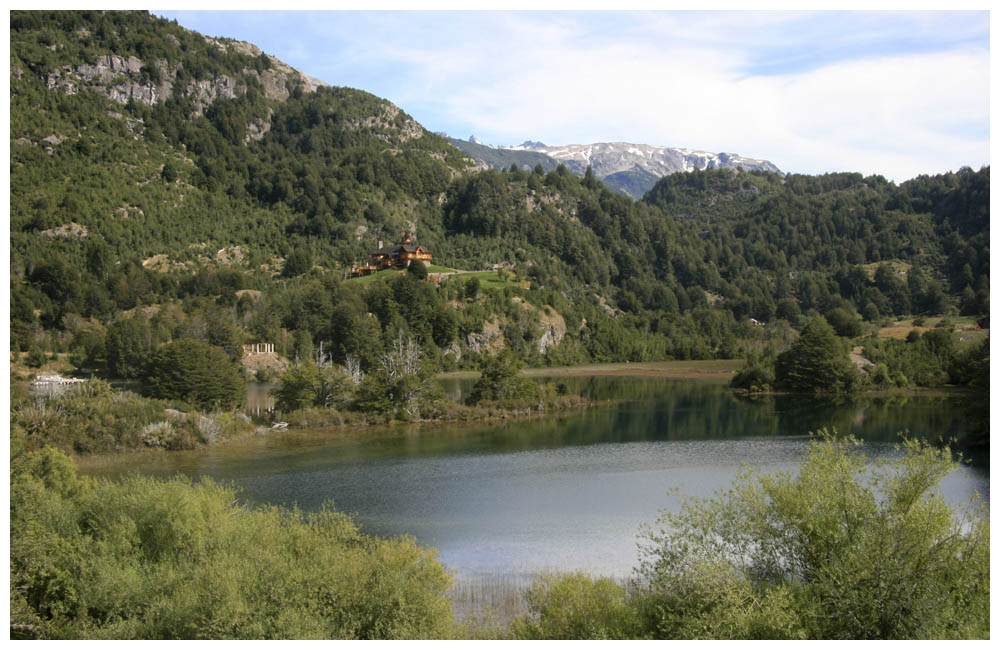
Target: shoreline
x=715 y=369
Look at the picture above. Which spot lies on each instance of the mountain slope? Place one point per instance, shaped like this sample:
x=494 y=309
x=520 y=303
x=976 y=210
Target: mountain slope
x=500 y=158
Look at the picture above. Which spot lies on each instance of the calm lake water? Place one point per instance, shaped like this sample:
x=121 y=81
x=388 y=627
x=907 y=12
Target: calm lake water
x=565 y=492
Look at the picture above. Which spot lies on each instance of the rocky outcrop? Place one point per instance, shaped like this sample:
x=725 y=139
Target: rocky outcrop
x=118 y=78
x=123 y=79
x=71 y=230
x=553 y=329
x=489 y=340
x=393 y=130
x=263 y=365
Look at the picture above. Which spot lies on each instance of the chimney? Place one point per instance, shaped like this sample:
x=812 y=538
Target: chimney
x=380 y=243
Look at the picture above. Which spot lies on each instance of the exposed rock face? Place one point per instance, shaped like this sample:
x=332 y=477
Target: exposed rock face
x=121 y=79
x=454 y=350
x=259 y=127
x=134 y=125
x=71 y=230
x=489 y=340
x=553 y=330
x=407 y=129
x=116 y=77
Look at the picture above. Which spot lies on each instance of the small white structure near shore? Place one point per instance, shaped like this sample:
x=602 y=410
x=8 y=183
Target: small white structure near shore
x=53 y=385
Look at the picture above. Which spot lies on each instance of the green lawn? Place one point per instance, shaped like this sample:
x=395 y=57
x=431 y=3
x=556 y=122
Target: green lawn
x=376 y=277
x=491 y=280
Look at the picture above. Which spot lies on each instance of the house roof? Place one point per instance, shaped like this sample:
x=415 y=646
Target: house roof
x=406 y=247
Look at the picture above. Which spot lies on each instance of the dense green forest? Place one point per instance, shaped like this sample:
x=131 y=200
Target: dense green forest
x=168 y=186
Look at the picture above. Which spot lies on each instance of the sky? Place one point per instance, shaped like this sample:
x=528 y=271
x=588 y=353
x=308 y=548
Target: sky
x=896 y=93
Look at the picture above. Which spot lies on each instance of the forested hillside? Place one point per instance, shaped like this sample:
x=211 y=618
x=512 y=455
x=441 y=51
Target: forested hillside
x=165 y=185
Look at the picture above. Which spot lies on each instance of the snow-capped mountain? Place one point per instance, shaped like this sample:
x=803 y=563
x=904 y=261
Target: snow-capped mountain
x=607 y=158
x=631 y=169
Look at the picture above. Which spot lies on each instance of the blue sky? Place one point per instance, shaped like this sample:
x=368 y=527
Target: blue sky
x=895 y=93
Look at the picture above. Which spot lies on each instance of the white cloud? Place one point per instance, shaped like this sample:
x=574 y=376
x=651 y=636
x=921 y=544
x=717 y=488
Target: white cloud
x=894 y=115
x=878 y=92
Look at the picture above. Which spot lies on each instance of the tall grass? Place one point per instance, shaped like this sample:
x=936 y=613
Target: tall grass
x=484 y=605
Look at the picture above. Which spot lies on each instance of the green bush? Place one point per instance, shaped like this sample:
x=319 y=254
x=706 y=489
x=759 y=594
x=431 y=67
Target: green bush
x=841 y=550
x=576 y=606
x=151 y=559
x=307 y=385
x=35 y=358
x=756 y=375
x=499 y=380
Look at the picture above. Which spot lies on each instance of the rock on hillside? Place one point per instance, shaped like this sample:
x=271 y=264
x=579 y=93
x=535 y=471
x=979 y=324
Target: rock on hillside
x=123 y=79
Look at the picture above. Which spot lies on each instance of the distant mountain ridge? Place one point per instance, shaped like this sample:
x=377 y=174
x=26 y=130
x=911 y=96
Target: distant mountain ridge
x=500 y=158
x=627 y=168
x=625 y=160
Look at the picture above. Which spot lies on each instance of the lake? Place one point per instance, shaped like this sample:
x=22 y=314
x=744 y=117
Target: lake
x=565 y=492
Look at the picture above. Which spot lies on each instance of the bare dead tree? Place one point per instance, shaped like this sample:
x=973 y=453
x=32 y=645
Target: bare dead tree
x=403 y=357
x=353 y=365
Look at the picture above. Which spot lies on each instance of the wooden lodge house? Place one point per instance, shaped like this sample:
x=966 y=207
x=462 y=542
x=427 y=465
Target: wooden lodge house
x=398 y=256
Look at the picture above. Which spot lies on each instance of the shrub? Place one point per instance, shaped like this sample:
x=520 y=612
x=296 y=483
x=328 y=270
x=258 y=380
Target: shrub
x=151 y=559
x=576 y=606
x=840 y=550
x=35 y=358
x=756 y=375
x=91 y=417
x=499 y=380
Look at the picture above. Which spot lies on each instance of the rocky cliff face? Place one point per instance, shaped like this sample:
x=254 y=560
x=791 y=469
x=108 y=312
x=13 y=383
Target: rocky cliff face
x=123 y=79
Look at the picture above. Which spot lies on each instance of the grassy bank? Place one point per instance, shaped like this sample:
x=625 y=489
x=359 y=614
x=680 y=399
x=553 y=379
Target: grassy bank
x=445 y=411
x=92 y=417
x=717 y=369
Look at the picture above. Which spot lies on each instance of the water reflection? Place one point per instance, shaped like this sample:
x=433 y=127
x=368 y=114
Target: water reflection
x=260 y=401
x=567 y=491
